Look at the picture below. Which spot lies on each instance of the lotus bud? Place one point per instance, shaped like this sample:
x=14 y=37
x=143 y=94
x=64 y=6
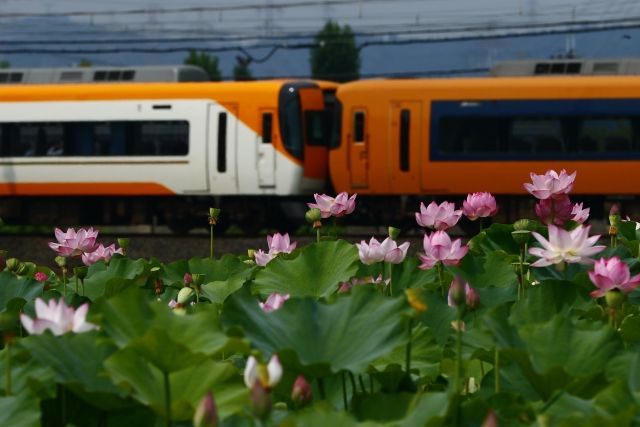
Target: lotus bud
x=206 y=414
x=61 y=261
x=491 y=420
x=187 y=279
x=472 y=298
x=12 y=264
x=301 y=393
x=523 y=224
x=22 y=269
x=197 y=279
x=185 y=295
x=81 y=272
x=123 y=242
x=314 y=217
x=457 y=297
x=40 y=276
x=260 y=401
x=393 y=233
x=213 y=216
x=615 y=299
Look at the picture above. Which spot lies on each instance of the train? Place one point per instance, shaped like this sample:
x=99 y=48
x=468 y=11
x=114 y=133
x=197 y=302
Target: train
x=134 y=152
x=137 y=152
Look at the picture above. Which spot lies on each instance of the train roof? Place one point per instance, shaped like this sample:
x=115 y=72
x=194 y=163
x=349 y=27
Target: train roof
x=567 y=66
x=143 y=73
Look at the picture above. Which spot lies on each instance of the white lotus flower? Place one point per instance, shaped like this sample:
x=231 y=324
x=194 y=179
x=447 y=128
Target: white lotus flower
x=58 y=318
x=569 y=246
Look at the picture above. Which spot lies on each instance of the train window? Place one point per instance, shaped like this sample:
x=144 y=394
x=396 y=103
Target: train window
x=222 y=142
x=405 y=122
x=267 y=128
x=291 y=118
x=358 y=126
x=42 y=139
x=315 y=126
x=536 y=135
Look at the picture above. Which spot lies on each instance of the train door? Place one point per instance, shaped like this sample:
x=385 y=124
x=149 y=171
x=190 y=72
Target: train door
x=358 y=140
x=315 y=145
x=222 y=135
x=265 y=155
x=404 y=146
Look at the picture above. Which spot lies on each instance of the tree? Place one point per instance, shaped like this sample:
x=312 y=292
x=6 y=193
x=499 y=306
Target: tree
x=241 y=71
x=205 y=61
x=84 y=62
x=5 y=64
x=335 y=55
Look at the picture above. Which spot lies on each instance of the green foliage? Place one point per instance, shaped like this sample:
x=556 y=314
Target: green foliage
x=335 y=56
x=207 y=62
x=242 y=72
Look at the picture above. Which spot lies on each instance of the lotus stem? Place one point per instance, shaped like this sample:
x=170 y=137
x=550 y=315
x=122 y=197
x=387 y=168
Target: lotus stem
x=407 y=360
x=167 y=400
x=362 y=387
x=458 y=373
x=353 y=383
x=7 y=387
x=440 y=277
x=318 y=235
x=321 y=388
x=344 y=392
x=211 y=242
x=496 y=369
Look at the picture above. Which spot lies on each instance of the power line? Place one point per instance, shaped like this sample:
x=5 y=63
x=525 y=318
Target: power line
x=192 y=9
x=275 y=46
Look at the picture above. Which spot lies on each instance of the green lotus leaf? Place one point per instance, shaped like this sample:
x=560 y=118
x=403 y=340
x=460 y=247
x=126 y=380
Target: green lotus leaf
x=214 y=270
x=496 y=270
x=408 y=275
x=316 y=272
x=129 y=317
x=187 y=386
x=348 y=334
x=544 y=301
x=579 y=347
x=76 y=361
x=20 y=410
x=322 y=416
x=438 y=316
x=12 y=286
x=495 y=238
x=106 y=280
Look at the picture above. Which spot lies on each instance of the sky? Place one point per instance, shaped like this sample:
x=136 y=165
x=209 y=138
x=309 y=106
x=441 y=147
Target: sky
x=89 y=26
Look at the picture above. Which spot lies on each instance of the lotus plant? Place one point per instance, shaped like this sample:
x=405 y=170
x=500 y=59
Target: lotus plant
x=573 y=246
x=337 y=207
x=274 y=302
x=550 y=185
x=460 y=293
x=278 y=243
x=479 y=205
x=555 y=211
x=612 y=274
x=58 y=318
x=101 y=253
x=579 y=214
x=438 y=216
x=268 y=377
x=387 y=251
x=72 y=243
x=438 y=247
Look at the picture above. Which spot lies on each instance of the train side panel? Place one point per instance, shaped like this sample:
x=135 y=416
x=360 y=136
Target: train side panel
x=455 y=136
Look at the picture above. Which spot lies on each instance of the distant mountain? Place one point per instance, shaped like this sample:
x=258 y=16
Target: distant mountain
x=409 y=59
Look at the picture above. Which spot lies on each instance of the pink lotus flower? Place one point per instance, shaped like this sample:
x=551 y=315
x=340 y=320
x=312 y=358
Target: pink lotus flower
x=580 y=215
x=459 y=290
x=255 y=372
x=273 y=302
x=100 y=254
x=58 y=318
x=569 y=246
x=610 y=274
x=438 y=247
x=339 y=206
x=40 y=277
x=551 y=184
x=278 y=244
x=479 y=205
x=387 y=251
x=187 y=279
x=74 y=243
x=301 y=391
x=554 y=211
x=439 y=217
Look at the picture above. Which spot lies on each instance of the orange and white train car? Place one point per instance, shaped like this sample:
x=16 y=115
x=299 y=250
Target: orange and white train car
x=447 y=137
x=263 y=138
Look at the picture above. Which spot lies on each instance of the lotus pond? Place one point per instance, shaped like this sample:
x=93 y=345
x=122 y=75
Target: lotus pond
x=534 y=323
